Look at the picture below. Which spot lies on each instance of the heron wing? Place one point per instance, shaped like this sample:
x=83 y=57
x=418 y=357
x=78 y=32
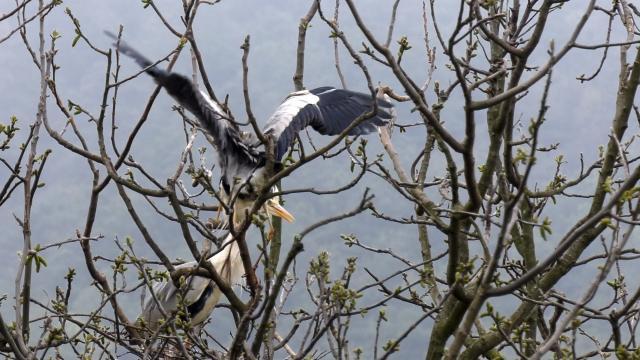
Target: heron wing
x=212 y=117
x=327 y=110
x=167 y=295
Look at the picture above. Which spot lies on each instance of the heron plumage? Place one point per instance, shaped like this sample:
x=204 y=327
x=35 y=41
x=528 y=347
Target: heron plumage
x=237 y=158
x=201 y=294
x=328 y=110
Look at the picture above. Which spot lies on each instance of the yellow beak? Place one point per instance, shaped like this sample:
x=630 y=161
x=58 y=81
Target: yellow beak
x=277 y=210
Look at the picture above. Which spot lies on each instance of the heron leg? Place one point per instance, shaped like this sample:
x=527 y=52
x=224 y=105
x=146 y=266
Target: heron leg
x=272 y=230
x=271 y=234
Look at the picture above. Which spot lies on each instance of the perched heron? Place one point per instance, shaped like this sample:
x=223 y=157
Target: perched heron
x=201 y=294
x=327 y=110
x=243 y=162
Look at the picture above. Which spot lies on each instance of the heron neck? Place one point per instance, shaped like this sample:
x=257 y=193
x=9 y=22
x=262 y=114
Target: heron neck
x=228 y=243
x=228 y=261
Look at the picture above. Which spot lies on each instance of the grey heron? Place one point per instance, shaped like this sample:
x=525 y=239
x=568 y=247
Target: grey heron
x=201 y=294
x=327 y=110
x=243 y=162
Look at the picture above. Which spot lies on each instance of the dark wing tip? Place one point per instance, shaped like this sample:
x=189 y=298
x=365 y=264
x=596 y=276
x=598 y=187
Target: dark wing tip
x=340 y=107
x=364 y=98
x=110 y=34
x=129 y=51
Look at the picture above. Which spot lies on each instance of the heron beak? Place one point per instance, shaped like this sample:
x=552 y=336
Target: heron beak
x=279 y=211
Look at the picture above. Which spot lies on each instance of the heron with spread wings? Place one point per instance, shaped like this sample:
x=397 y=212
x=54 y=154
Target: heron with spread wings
x=243 y=161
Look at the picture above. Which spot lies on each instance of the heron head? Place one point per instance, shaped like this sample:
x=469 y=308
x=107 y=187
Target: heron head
x=273 y=208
